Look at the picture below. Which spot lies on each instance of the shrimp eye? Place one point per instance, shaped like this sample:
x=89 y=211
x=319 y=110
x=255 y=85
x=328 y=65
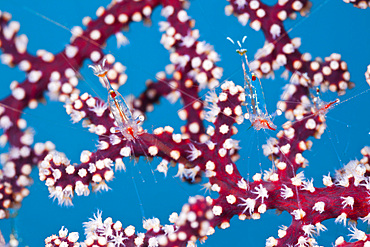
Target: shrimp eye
x=253 y=77
x=113 y=94
x=241 y=51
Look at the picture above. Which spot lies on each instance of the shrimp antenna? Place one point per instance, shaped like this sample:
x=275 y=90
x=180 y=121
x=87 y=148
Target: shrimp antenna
x=244 y=38
x=250 y=127
x=231 y=40
x=138 y=196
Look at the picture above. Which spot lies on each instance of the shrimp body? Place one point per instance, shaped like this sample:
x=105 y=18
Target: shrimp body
x=321 y=107
x=264 y=122
x=129 y=127
x=126 y=124
x=324 y=108
x=255 y=100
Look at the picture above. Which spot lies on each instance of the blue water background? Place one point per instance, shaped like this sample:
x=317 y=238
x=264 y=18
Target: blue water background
x=332 y=26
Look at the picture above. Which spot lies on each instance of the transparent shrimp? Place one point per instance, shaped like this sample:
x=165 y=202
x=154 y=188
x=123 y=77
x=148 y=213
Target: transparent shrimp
x=319 y=106
x=129 y=127
x=255 y=100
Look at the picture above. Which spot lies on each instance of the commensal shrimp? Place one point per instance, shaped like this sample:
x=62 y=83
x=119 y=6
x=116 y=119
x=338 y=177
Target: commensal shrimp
x=319 y=106
x=127 y=125
x=255 y=100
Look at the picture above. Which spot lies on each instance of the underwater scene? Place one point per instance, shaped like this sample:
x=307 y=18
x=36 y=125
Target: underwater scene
x=192 y=126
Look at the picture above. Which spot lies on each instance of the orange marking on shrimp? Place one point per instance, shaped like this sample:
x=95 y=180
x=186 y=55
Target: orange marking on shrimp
x=103 y=74
x=123 y=116
x=113 y=94
x=326 y=107
x=263 y=122
x=268 y=126
x=331 y=103
x=130 y=131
